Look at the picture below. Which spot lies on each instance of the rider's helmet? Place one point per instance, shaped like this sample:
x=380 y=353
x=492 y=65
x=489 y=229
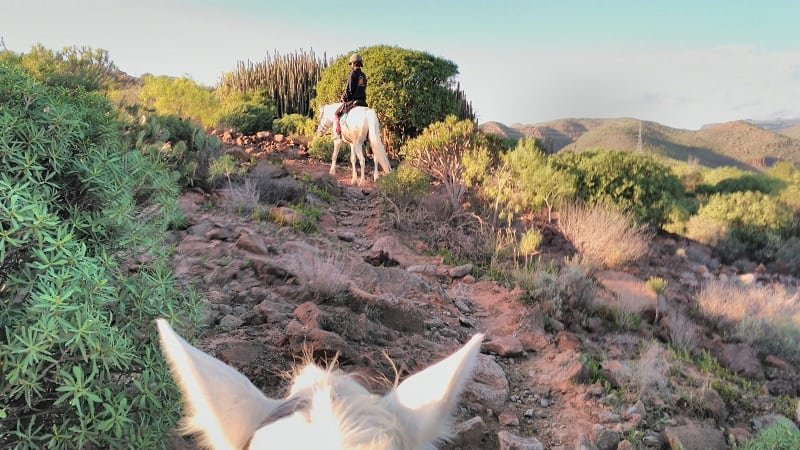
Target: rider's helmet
x=355 y=57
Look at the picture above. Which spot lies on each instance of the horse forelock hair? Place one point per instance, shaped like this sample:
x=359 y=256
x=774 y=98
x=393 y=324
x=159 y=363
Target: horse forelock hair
x=335 y=402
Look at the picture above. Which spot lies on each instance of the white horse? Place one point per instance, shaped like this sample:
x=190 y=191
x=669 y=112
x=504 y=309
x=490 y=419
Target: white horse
x=358 y=125
x=324 y=410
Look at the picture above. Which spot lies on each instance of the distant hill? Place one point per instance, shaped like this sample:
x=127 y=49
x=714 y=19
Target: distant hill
x=793 y=132
x=739 y=143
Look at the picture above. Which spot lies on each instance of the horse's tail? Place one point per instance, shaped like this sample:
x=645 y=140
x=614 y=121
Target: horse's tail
x=378 y=150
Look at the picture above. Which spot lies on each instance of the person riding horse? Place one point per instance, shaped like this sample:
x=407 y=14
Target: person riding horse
x=355 y=93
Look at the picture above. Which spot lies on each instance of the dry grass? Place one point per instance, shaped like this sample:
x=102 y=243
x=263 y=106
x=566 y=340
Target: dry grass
x=767 y=317
x=730 y=302
x=326 y=276
x=242 y=199
x=647 y=376
x=682 y=331
x=604 y=235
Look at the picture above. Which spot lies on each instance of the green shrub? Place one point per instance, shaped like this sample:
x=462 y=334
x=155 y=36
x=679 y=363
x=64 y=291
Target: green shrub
x=71 y=67
x=755 y=224
x=728 y=180
x=84 y=272
x=781 y=435
x=525 y=182
x=634 y=182
x=557 y=289
x=246 y=112
x=321 y=148
x=180 y=97
x=440 y=152
x=294 y=124
x=180 y=144
x=404 y=186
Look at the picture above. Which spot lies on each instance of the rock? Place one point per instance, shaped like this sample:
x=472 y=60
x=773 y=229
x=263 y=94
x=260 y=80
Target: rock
x=398 y=252
x=739 y=437
x=508 y=419
x=460 y=271
x=778 y=363
x=468 y=279
x=694 y=436
x=327 y=220
x=568 y=341
x=742 y=359
x=584 y=443
x=230 y=322
x=504 y=346
x=346 y=236
x=709 y=400
x=423 y=269
x=556 y=325
x=469 y=434
x=607 y=439
x=252 y=243
x=594 y=324
x=489 y=386
x=262 y=135
x=278 y=138
x=242 y=353
x=576 y=372
x=606 y=417
x=625 y=445
x=510 y=441
x=320 y=343
x=286 y=216
x=534 y=340
x=463 y=306
x=219 y=234
x=779 y=387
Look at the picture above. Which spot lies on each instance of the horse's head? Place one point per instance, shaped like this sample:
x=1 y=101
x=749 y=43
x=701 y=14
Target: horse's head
x=324 y=410
x=326 y=116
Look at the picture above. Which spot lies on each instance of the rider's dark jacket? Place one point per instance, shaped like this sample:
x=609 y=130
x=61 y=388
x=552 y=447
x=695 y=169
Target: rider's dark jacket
x=356 y=90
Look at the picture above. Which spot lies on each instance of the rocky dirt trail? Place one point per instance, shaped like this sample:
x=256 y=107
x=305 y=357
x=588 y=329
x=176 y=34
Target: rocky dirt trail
x=358 y=289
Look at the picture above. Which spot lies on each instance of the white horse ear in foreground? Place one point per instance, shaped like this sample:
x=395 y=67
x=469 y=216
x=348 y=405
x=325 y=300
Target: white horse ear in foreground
x=325 y=409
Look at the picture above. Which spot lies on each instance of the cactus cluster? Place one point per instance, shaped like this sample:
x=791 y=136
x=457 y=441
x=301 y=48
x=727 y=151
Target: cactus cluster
x=288 y=79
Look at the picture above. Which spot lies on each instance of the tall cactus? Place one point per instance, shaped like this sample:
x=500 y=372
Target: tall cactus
x=288 y=79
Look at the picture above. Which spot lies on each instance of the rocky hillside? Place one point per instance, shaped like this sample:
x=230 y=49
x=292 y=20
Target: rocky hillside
x=353 y=285
x=740 y=144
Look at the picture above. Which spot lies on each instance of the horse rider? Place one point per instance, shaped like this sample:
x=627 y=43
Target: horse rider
x=355 y=93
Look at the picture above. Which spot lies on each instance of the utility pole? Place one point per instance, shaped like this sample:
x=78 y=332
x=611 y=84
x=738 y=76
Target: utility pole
x=639 y=143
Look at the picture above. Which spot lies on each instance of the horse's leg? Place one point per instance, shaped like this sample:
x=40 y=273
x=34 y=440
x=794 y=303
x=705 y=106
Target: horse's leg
x=361 y=159
x=336 y=144
x=354 y=179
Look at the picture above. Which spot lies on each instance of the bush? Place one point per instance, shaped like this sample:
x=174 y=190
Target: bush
x=570 y=287
x=755 y=221
x=71 y=67
x=321 y=148
x=294 y=124
x=84 y=272
x=526 y=182
x=180 y=144
x=729 y=179
x=246 y=112
x=404 y=187
x=781 y=435
x=604 y=235
x=440 y=151
x=180 y=97
x=634 y=182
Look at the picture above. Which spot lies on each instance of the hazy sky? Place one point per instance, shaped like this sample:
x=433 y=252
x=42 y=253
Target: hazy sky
x=680 y=63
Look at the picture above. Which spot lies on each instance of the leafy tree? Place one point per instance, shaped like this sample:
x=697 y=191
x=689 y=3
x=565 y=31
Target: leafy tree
x=71 y=67
x=408 y=89
x=440 y=152
x=634 y=182
x=181 y=97
x=526 y=182
x=83 y=273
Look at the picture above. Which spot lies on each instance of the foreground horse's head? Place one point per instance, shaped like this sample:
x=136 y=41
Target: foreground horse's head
x=326 y=116
x=324 y=410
